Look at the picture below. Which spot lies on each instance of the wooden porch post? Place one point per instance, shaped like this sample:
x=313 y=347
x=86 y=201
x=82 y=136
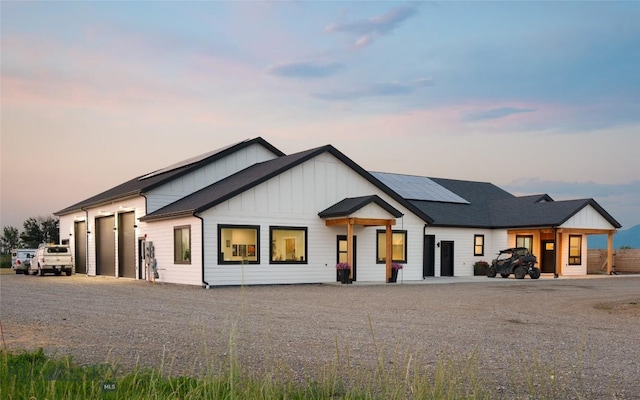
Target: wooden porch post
x=609 y=253
x=389 y=256
x=350 y=245
x=558 y=252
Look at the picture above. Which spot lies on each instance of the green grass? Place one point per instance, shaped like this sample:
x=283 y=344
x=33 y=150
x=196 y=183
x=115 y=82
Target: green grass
x=5 y=261
x=34 y=375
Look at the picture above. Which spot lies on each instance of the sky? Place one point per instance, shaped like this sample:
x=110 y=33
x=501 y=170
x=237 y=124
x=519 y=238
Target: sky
x=535 y=97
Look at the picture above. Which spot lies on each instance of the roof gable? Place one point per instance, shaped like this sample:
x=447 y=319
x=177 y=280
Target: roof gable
x=259 y=173
x=147 y=182
x=351 y=205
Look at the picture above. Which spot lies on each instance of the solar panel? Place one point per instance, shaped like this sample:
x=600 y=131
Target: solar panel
x=413 y=187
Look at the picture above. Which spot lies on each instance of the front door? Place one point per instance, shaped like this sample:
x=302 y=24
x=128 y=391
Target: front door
x=446 y=258
x=548 y=262
x=342 y=255
x=429 y=261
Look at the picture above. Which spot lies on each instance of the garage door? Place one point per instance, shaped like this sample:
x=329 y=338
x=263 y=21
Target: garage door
x=126 y=245
x=80 y=244
x=105 y=246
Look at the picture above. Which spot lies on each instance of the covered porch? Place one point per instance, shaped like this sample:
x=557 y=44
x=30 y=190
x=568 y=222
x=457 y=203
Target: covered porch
x=366 y=211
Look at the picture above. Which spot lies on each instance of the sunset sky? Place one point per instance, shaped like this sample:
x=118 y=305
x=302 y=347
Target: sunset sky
x=540 y=97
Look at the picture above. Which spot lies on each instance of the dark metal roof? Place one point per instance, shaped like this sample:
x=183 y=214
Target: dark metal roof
x=350 y=205
x=256 y=174
x=492 y=207
x=146 y=182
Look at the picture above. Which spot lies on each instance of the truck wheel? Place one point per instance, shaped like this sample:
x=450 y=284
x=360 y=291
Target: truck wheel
x=491 y=272
x=534 y=273
x=519 y=273
x=504 y=275
x=40 y=271
x=68 y=273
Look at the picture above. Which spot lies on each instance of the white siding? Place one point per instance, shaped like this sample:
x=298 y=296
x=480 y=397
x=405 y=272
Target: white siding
x=573 y=269
x=66 y=229
x=161 y=234
x=463 y=245
x=587 y=218
x=205 y=176
x=295 y=198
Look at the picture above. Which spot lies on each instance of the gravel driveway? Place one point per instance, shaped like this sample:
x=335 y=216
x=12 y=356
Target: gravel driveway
x=588 y=328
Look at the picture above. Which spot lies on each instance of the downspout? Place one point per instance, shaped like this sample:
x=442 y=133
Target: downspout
x=205 y=284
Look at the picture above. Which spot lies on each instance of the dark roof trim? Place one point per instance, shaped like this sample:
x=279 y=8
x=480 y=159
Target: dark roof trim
x=147 y=182
x=214 y=157
x=288 y=162
x=350 y=205
x=598 y=208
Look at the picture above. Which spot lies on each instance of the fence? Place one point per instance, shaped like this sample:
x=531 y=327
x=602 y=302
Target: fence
x=625 y=261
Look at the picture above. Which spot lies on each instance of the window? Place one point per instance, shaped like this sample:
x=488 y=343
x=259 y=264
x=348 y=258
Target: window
x=575 y=250
x=478 y=245
x=182 y=245
x=398 y=246
x=288 y=245
x=238 y=244
x=525 y=241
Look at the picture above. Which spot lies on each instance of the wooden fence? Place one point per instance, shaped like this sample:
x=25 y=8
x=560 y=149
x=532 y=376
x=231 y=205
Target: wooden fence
x=625 y=261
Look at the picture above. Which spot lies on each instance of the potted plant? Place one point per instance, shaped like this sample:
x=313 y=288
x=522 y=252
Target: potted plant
x=344 y=270
x=395 y=267
x=480 y=268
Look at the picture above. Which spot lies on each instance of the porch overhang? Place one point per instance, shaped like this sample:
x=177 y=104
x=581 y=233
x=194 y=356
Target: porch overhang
x=559 y=231
x=358 y=211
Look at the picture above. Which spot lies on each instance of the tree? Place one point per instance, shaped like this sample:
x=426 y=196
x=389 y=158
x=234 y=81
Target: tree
x=40 y=230
x=10 y=239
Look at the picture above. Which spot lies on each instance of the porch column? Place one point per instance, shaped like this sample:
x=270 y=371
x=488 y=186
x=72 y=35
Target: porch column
x=558 y=252
x=389 y=247
x=350 y=222
x=609 y=253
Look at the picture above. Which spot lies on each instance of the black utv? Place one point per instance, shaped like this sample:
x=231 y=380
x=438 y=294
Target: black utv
x=517 y=261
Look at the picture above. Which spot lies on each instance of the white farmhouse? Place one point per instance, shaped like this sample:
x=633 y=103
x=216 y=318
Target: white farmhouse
x=249 y=214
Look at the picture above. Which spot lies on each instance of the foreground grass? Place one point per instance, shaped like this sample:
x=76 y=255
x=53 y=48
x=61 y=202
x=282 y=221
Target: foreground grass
x=33 y=375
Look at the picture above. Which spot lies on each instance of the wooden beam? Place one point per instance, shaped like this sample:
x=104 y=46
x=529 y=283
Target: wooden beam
x=360 y=221
x=559 y=251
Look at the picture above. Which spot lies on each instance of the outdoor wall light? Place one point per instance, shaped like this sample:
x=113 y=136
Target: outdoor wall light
x=438 y=244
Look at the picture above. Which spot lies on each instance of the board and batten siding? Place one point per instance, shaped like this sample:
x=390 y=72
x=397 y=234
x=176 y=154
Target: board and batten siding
x=205 y=176
x=161 y=234
x=587 y=218
x=463 y=246
x=294 y=198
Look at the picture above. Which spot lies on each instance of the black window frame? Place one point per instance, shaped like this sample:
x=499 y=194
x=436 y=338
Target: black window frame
x=304 y=229
x=475 y=245
x=175 y=255
x=579 y=256
x=384 y=232
x=222 y=261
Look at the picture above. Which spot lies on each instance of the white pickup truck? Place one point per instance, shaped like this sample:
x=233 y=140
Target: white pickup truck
x=53 y=258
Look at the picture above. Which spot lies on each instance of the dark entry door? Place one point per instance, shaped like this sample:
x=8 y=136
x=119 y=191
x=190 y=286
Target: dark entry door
x=80 y=245
x=548 y=262
x=342 y=255
x=126 y=245
x=105 y=246
x=446 y=258
x=429 y=259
